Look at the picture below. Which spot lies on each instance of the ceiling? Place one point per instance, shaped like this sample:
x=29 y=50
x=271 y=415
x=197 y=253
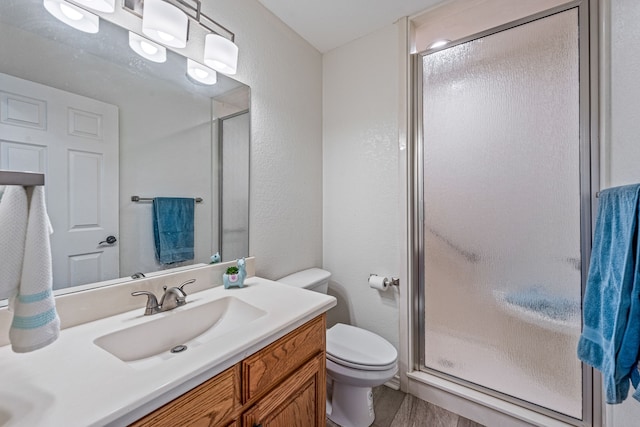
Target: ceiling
x=327 y=24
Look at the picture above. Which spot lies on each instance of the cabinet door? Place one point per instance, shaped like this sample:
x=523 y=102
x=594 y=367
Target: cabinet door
x=299 y=401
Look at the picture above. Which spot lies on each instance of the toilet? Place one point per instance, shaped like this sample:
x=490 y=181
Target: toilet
x=357 y=361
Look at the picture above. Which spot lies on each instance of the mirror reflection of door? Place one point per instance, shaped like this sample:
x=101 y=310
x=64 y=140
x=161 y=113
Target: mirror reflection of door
x=73 y=140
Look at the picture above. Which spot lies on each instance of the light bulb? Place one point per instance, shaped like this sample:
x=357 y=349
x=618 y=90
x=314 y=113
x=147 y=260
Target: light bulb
x=70 y=13
x=148 y=47
x=201 y=73
x=164 y=36
x=73 y=15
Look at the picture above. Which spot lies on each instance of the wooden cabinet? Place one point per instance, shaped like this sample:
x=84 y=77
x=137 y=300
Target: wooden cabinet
x=282 y=385
x=212 y=403
x=296 y=402
x=261 y=371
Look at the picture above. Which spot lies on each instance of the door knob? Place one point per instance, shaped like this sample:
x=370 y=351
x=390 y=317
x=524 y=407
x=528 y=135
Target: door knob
x=110 y=240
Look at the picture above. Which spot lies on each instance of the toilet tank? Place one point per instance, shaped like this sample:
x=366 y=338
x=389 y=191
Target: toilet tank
x=314 y=279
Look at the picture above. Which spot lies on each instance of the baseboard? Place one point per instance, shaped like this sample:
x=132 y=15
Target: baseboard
x=394 y=383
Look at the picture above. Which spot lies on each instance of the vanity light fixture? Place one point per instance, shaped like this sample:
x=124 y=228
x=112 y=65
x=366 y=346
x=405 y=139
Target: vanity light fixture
x=220 y=54
x=220 y=51
x=439 y=43
x=147 y=49
x=200 y=73
x=107 y=6
x=165 y=23
x=73 y=15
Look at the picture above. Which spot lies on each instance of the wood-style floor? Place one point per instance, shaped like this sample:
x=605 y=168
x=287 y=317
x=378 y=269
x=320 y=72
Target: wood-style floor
x=397 y=409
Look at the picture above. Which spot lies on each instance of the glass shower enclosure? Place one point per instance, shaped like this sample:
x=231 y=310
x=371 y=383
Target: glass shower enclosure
x=501 y=240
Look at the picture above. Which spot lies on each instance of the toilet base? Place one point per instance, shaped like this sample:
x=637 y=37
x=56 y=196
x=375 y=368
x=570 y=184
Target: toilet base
x=351 y=406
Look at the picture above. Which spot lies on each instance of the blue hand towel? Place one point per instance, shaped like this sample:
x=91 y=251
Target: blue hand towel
x=610 y=337
x=173 y=225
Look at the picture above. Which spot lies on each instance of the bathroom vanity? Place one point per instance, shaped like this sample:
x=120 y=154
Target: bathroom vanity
x=281 y=385
x=255 y=356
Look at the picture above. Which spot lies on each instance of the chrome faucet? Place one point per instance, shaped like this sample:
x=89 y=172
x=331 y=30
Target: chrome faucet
x=172 y=298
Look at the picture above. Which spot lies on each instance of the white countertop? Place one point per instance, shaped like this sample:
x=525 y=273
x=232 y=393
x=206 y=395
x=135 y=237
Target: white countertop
x=73 y=382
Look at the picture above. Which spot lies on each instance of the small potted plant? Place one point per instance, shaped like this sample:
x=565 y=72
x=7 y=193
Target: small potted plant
x=234 y=276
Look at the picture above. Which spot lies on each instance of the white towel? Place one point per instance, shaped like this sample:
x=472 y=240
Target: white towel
x=35 y=321
x=13 y=231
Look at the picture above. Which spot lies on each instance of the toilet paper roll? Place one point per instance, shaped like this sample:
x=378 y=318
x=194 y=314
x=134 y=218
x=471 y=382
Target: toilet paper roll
x=378 y=282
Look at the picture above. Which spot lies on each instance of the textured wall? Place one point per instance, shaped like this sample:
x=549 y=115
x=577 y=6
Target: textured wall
x=285 y=75
x=361 y=189
x=622 y=166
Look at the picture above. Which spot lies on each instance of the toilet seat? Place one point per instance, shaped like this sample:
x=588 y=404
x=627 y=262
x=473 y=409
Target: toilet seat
x=359 y=349
x=358 y=366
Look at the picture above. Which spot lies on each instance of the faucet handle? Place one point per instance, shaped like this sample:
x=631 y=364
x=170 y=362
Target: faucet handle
x=149 y=294
x=152 y=301
x=188 y=282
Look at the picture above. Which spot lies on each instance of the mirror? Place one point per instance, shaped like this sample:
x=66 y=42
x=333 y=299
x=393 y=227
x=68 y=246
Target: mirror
x=104 y=124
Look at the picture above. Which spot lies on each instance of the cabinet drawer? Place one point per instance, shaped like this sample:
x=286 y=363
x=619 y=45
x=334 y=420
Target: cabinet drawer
x=270 y=365
x=297 y=402
x=210 y=404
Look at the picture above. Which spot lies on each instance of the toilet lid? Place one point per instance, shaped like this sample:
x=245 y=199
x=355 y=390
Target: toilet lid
x=356 y=347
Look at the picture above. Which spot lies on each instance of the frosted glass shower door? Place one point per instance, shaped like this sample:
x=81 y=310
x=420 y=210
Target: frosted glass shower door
x=501 y=232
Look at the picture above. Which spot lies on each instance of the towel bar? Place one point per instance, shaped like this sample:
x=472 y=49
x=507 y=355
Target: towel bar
x=21 y=178
x=150 y=199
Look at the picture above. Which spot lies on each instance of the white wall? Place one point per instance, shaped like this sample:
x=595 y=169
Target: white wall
x=621 y=149
x=285 y=75
x=622 y=166
x=361 y=189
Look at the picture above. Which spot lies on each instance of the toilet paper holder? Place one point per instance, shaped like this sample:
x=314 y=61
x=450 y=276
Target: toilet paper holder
x=394 y=281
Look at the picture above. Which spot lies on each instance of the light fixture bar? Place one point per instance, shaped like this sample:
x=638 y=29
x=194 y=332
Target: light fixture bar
x=192 y=8
x=213 y=26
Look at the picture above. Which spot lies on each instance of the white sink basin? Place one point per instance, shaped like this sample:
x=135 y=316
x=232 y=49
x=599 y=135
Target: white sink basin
x=188 y=326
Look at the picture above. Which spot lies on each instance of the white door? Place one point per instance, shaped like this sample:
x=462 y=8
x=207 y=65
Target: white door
x=73 y=140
